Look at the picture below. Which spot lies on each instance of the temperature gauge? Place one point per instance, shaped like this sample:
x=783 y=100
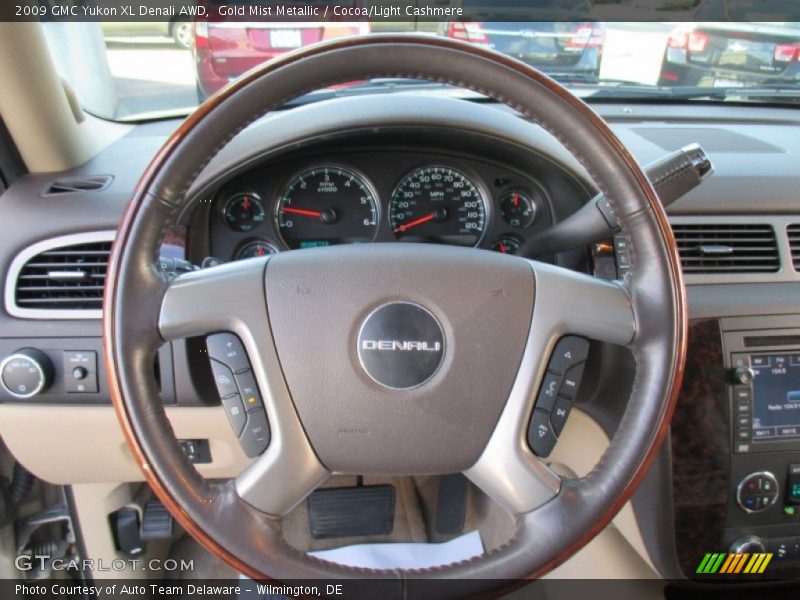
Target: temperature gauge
x=255 y=249
x=518 y=208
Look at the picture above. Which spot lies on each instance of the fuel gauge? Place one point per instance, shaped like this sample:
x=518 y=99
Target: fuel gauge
x=518 y=208
x=506 y=245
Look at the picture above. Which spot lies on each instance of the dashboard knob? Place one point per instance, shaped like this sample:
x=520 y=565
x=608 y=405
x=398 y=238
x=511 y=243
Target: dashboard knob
x=747 y=544
x=26 y=373
x=743 y=375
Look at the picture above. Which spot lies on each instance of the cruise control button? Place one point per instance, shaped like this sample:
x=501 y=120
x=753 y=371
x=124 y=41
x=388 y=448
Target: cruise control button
x=569 y=351
x=227 y=349
x=558 y=418
x=236 y=413
x=548 y=392
x=572 y=381
x=223 y=377
x=249 y=390
x=541 y=437
x=255 y=437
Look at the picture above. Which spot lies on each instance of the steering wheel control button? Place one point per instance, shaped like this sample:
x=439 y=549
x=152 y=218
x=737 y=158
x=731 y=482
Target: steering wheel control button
x=223 y=378
x=80 y=371
x=572 y=381
x=558 y=417
x=237 y=415
x=26 y=373
x=757 y=492
x=227 y=349
x=249 y=391
x=255 y=437
x=541 y=437
x=549 y=391
x=570 y=350
x=401 y=345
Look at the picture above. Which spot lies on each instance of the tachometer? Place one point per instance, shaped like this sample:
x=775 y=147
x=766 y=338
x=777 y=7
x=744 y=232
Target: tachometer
x=438 y=204
x=327 y=205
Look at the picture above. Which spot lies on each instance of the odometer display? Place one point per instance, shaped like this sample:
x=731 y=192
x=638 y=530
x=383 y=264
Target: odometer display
x=438 y=204
x=326 y=205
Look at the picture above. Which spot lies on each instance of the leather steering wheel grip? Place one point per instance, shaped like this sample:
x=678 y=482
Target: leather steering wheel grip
x=213 y=512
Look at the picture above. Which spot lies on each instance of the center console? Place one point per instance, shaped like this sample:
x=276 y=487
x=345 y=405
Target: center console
x=736 y=443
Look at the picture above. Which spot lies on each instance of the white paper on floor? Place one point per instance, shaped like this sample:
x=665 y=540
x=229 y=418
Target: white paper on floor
x=405 y=555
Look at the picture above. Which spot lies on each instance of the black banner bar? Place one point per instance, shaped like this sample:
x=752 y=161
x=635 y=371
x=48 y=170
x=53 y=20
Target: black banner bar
x=401 y=10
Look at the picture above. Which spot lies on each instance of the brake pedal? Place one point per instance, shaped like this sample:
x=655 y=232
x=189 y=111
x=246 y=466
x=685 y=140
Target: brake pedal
x=351 y=512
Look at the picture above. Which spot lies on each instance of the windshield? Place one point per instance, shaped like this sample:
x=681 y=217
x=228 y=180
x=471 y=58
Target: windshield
x=130 y=70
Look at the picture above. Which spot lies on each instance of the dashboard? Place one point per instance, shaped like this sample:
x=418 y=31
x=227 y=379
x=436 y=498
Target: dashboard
x=489 y=180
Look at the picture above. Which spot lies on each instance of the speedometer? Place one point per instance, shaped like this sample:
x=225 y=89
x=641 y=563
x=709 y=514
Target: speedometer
x=327 y=205
x=438 y=204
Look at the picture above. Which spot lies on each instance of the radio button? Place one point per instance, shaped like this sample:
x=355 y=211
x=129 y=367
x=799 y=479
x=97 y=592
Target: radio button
x=743 y=375
x=783 y=548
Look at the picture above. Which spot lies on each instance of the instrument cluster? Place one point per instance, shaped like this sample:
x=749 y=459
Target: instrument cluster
x=376 y=197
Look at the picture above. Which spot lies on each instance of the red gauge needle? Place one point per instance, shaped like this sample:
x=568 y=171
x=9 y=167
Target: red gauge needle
x=246 y=203
x=302 y=211
x=503 y=248
x=406 y=226
x=516 y=199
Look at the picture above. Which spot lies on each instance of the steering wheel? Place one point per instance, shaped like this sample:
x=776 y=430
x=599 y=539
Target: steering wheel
x=395 y=358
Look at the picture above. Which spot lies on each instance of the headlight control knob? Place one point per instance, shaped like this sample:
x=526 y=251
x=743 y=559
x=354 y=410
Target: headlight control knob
x=26 y=373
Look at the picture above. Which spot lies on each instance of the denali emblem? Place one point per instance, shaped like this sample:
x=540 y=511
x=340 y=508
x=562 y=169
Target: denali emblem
x=401 y=345
x=407 y=345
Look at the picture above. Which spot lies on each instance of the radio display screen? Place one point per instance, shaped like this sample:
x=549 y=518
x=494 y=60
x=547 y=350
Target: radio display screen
x=776 y=396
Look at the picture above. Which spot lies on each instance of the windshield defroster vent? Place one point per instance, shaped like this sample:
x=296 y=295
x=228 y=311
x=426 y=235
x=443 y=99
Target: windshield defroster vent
x=727 y=248
x=794 y=242
x=64 y=277
x=73 y=185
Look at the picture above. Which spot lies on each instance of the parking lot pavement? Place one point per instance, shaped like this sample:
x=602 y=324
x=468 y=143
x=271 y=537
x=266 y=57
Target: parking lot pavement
x=153 y=74
x=152 y=77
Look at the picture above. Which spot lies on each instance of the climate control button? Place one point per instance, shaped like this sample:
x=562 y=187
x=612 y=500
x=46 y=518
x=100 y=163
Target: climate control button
x=756 y=492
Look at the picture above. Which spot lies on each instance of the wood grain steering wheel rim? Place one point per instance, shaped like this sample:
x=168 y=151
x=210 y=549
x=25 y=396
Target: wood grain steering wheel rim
x=239 y=520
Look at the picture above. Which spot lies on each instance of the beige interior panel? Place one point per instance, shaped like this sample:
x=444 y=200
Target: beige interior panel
x=579 y=447
x=82 y=444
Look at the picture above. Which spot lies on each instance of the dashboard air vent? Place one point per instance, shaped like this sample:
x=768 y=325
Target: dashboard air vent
x=794 y=242
x=73 y=185
x=65 y=278
x=727 y=248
